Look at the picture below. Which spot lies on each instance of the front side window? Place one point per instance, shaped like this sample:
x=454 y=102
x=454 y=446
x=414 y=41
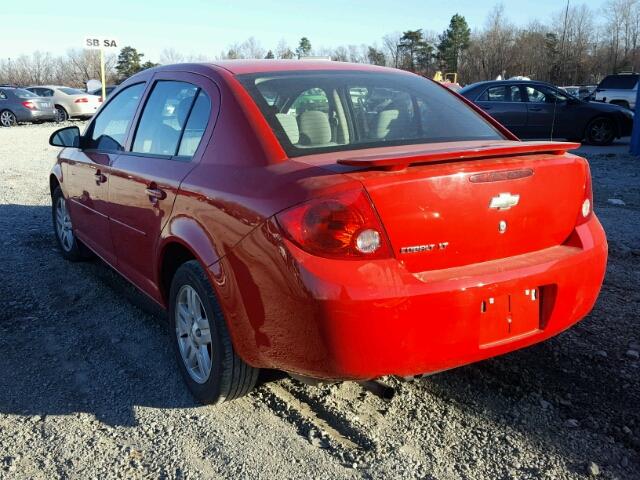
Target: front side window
x=313 y=112
x=165 y=117
x=109 y=130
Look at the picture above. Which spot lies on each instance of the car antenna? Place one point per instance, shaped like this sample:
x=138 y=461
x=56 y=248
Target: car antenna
x=553 y=121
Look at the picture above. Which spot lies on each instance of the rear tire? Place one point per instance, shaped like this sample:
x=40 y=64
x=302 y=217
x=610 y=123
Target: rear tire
x=600 y=131
x=8 y=118
x=61 y=114
x=211 y=368
x=70 y=247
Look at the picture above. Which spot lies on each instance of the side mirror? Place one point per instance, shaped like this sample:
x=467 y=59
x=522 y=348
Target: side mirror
x=65 y=137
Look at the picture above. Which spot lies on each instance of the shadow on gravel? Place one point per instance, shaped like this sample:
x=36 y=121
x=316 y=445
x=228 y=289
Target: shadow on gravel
x=76 y=337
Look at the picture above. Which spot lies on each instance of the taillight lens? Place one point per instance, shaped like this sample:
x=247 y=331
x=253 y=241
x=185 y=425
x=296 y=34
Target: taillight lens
x=29 y=105
x=81 y=100
x=341 y=226
x=586 y=208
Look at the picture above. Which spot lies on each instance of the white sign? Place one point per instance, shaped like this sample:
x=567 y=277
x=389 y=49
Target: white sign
x=98 y=43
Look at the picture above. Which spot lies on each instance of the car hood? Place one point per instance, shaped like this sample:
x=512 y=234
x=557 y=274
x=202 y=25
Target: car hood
x=606 y=107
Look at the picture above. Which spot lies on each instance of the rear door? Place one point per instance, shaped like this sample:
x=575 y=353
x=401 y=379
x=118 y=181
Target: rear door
x=87 y=170
x=505 y=104
x=163 y=149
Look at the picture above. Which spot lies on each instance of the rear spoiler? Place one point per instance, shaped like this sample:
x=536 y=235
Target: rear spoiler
x=402 y=161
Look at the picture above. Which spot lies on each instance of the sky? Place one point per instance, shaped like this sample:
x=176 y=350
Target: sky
x=200 y=27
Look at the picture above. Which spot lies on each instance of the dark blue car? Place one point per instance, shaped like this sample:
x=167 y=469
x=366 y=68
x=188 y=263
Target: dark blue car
x=539 y=110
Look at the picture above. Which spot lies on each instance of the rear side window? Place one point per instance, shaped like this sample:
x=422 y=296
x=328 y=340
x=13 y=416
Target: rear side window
x=501 y=93
x=196 y=125
x=3 y=96
x=313 y=112
x=109 y=130
x=173 y=120
x=621 y=82
x=22 y=93
x=71 y=91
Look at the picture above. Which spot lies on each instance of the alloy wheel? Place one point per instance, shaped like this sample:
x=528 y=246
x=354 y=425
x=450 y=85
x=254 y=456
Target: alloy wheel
x=194 y=334
x=61 y=114
x=601 y=131
x=63 y=225
x=7 y=119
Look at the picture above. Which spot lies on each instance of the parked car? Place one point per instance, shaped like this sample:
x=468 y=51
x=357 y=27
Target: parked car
x=620 y=89
x=69 y=102
x=540 y=110
x=19 y=105
x=108 y=90
x=396 y=231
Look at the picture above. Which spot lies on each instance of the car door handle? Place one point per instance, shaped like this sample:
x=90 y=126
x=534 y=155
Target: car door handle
x=155 y=194
x=486 y=107
x=535 y=109
x=100 y=178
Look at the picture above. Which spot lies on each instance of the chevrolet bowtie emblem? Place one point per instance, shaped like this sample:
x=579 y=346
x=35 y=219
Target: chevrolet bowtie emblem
x=504 y=201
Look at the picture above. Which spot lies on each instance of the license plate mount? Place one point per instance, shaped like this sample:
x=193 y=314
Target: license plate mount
x=505 y=318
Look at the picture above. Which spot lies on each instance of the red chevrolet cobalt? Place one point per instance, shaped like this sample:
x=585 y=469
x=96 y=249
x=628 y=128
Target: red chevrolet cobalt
x=334 y=221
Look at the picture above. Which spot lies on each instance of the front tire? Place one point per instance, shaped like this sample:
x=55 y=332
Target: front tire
x=211 y=368
x=8 y=118
x=601 y=131
x=70 y=247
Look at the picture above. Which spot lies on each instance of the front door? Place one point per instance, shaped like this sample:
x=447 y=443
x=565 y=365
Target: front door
x=87 y=171
x=542 y=109
x=146 y=178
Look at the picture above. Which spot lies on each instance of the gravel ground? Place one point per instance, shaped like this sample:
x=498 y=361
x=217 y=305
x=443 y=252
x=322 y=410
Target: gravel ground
x=89 y=386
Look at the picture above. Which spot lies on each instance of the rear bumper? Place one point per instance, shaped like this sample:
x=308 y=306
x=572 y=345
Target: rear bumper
x=84 y=110
x=356 y=320
x=26 y=115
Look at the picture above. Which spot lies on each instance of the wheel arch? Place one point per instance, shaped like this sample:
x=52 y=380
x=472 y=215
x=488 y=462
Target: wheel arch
x=183 y=239
x=55 y=178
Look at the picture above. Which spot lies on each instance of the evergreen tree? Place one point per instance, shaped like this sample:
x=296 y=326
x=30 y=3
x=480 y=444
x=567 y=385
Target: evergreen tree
x=269 y=55
x=129 y=62
x=376 y=57
x=453 y=41
x=304 y=47
x=415 y=52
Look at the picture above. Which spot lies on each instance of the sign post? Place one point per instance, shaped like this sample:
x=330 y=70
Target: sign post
x=635 y=135
x=101 y=43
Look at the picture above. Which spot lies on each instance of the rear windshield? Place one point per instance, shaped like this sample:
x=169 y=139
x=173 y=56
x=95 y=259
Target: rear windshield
x=312 y=112
x=21 y=93
x=622 y=82
x=71 y=91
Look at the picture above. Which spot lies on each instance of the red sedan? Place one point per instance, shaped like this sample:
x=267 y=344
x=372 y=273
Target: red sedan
x=334 y=221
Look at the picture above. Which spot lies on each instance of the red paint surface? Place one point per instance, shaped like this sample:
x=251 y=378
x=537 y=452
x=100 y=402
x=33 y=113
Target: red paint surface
x=358 y=318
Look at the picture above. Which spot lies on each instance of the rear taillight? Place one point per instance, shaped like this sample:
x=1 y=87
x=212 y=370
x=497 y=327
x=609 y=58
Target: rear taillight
x=586 y=207
x=341 y=226
x=30 y=105
x=81 y=100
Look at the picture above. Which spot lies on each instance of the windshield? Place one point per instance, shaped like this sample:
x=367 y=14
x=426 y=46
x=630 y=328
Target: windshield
x=71 y=91
x=333 y=111
x=21 y=93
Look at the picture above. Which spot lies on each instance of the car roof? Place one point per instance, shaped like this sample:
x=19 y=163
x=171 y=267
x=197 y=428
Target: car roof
x=489 y=83
x=239 y=67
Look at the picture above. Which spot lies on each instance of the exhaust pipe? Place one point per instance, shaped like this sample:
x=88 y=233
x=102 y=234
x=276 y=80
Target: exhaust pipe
x=379 y=389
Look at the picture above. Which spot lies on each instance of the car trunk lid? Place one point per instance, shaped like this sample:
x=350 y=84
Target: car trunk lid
x=455 y=205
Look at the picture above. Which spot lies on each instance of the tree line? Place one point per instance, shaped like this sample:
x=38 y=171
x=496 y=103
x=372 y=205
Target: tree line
x=578 y=44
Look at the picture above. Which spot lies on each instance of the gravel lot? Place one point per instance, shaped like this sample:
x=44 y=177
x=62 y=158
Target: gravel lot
x=89 y=386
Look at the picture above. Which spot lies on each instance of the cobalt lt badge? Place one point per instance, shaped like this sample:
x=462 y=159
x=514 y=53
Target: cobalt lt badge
x=502 y=226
